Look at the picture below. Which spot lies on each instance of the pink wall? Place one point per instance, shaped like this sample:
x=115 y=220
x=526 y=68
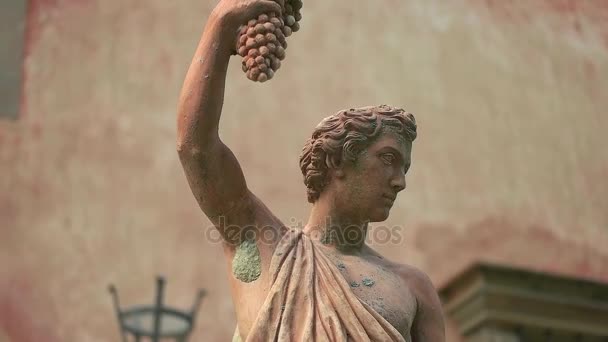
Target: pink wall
x=510 y=165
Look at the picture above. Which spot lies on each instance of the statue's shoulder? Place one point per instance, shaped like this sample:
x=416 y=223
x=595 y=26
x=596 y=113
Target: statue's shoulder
x=418 y=282
x=409 y=272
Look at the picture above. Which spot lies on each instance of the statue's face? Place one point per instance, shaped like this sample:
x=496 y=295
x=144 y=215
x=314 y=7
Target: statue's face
x=369 y=186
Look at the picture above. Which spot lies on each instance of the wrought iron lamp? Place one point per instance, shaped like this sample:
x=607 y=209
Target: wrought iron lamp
x=156 y=321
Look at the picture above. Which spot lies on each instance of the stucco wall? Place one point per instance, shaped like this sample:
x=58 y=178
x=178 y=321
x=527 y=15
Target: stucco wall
x=510 y=164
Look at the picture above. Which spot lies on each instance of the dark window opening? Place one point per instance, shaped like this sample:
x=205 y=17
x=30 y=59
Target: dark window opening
x=12 y=38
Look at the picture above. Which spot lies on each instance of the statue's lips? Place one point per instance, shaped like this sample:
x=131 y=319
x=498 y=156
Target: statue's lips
x=389 y=198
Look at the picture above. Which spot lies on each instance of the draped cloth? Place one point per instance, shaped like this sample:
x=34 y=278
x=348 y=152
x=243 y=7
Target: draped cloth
x=309 y=300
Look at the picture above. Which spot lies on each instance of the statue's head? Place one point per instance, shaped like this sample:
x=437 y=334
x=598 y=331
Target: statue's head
x=359 y=157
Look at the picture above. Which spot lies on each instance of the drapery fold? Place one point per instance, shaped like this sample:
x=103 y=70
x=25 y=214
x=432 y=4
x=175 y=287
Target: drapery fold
x=309 y=300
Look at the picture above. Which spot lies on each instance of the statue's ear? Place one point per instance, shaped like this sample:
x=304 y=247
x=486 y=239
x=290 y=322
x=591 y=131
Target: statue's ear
x=336 y=172
x=335 y=166
x=339 y=173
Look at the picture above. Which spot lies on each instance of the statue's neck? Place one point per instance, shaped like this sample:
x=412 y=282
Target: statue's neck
x=333 y=228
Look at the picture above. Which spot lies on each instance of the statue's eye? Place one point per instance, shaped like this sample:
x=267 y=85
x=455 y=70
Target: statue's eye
x=388 y=158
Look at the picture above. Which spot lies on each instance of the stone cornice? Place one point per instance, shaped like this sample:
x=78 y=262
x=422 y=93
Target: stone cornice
x=490 y=295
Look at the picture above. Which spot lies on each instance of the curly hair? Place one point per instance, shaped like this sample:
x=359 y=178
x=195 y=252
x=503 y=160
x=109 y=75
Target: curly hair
x=344 y=136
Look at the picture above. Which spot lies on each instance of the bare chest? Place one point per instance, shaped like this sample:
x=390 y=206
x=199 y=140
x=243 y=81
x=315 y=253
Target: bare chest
x=380 y=288
x=372 y=281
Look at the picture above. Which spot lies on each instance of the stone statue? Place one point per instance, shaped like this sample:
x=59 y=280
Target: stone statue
x=322 y=282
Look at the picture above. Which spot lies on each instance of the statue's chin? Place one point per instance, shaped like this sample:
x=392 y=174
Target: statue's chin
x=380 y=215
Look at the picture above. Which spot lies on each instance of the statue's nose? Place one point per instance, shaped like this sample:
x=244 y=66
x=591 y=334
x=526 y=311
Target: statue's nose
x=398 y=183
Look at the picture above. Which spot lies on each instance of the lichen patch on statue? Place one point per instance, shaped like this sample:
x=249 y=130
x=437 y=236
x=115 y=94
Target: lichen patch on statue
x=246 y=264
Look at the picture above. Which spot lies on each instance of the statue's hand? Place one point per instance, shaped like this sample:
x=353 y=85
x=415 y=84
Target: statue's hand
x=232 y=14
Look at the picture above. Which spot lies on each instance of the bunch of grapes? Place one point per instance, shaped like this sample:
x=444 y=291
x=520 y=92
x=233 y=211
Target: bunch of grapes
x=262 y=42
x=292 y=15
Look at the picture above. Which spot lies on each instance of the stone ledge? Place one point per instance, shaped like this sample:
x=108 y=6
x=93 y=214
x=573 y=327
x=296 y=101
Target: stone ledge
x=489 y=296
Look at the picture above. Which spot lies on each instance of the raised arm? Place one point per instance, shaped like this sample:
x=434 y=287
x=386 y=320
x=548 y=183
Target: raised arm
x=212 y=170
